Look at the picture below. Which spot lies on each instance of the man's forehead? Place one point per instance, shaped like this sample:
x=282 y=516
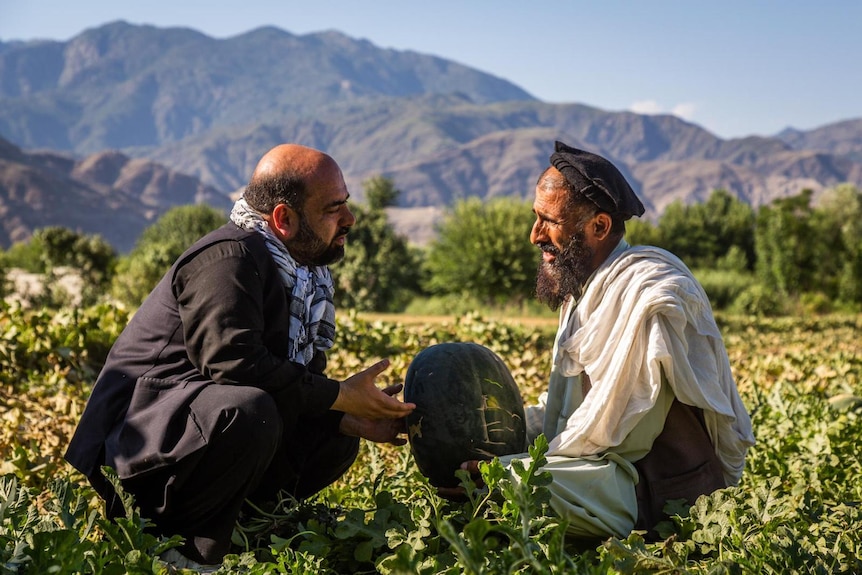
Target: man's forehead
x=328 y=192
x=549 y=196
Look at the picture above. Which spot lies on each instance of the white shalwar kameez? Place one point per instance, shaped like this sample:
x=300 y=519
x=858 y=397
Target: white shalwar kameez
x=642 y=334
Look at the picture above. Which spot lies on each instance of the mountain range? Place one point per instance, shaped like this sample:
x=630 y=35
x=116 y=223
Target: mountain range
x=105 y=131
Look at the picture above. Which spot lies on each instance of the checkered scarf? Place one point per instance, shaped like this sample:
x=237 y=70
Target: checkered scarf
x=312 y=312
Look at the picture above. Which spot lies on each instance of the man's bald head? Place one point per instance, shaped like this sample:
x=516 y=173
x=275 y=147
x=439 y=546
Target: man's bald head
x=285 y=174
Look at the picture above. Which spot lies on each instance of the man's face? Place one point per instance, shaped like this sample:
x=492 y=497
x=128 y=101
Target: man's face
x=567 y=252
x=324 y=222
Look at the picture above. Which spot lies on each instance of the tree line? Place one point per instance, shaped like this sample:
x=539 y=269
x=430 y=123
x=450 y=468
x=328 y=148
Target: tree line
x=793 y=255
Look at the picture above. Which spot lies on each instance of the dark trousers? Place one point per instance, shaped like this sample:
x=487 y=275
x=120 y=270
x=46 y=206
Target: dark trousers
x=682 y=464
x=251 y=451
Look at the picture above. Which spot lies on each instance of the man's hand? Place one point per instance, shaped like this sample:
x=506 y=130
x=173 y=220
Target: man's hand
x=457 y=493
x=377 y=430
x=358 y=396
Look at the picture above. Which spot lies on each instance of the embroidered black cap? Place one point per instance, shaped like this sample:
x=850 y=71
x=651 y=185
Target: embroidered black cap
x=598 y=179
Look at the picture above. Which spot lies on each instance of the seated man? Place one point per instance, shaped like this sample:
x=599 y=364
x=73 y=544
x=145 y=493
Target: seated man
x=641 y=405
x=216 y=391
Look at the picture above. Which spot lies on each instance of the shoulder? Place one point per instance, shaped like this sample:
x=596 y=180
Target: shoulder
x=642 y=269
x=650 y=258
x=227 y=250
x=226 y=241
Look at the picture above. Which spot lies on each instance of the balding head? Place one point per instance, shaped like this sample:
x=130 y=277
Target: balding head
x=285 y=174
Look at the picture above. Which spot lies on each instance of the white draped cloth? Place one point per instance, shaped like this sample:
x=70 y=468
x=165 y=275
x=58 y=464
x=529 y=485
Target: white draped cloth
x=643 y=314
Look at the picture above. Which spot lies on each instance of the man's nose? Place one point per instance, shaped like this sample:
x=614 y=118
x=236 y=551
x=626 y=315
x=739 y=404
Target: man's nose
x=349 y=219
x=537 y=233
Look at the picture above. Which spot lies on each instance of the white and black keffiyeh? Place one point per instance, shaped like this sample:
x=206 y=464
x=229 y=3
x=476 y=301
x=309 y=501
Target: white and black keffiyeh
x=312 y=312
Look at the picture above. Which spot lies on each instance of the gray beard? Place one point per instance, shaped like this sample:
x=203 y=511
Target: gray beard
x=567 y=274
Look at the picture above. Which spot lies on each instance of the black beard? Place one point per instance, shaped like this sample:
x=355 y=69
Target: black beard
x=309 y=249
x=567 y=274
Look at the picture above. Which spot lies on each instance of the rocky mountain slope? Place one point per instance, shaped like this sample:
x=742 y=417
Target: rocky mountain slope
x=163 y=102
x=106 y=193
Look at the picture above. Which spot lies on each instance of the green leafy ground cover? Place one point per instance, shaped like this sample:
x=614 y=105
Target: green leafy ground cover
x=796 y=510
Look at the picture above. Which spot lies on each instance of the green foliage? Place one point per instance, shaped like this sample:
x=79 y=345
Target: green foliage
x=783 y=241
x=700 y=234
x=809 y=255
x=70 y=537
x=759 y=300
x=511 y=527
x=723 y=287
x=379 y=271
x=483 y=251
x=57 y=252
x=47 y=349
x=26 y=256
x=841 y=216
x=796 y=509
x=803 y=248
x=48 y=361
x=444 y=304
x=642 y=233
x=380 y=193
x=459 y=304
x=158 y=247
x=90 y=255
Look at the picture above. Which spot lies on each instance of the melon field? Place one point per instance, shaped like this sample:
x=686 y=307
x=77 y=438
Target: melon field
x=796 y=510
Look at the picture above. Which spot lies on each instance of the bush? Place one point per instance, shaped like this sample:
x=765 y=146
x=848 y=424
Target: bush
x=380 y=270
x=484 y=249
x=158 y=247
x=759 y=300
x=723 y=287
x=817 y=302
x=26 y=256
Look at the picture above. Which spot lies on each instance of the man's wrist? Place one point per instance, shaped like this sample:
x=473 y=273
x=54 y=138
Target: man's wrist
x=349 y=425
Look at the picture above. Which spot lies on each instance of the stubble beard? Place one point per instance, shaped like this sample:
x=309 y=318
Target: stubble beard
x=567 y=273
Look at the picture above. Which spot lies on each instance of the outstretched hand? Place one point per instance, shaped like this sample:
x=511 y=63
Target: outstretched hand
x=377 y=430
x=358 y=396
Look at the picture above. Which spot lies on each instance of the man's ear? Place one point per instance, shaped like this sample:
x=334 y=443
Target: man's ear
x=602 y=224
x=284 y=221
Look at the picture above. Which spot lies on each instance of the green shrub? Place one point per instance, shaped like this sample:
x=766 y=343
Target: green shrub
x=158 y=247
x=816 y=302
x=25 y=256
x=759 y=300
x=723 y=286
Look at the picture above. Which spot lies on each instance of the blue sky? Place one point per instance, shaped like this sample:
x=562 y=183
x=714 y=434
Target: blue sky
x=734 y=67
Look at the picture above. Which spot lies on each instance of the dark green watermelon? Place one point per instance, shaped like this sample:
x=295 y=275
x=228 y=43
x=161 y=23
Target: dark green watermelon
x=467 y=407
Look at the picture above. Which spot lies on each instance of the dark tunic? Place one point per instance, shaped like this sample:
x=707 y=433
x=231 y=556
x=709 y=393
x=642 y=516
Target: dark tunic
x=219 y=316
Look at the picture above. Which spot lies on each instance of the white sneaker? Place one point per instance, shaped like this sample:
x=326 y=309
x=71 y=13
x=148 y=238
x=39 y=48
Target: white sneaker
x=173 y=558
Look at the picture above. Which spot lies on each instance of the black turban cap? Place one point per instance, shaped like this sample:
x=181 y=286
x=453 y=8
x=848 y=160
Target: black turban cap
x=598 y=179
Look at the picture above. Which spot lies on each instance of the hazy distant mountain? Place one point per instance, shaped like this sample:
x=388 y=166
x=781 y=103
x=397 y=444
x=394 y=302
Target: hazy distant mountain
x=122 y=85
x=184 y=103
x=842 y=138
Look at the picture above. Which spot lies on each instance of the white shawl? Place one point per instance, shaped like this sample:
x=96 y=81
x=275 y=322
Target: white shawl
x=643 y=313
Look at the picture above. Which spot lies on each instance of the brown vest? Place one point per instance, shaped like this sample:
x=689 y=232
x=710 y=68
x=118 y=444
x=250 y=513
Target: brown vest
x=682 y=464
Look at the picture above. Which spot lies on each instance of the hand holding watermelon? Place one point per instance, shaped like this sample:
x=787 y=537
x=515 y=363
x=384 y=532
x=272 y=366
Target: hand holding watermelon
x=377 y=430
x=357 y=395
